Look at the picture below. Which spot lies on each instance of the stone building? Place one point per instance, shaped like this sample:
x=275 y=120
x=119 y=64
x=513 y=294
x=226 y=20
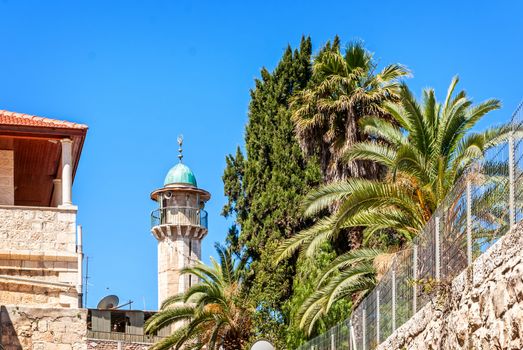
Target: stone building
x=179 y=224
x=40 y=245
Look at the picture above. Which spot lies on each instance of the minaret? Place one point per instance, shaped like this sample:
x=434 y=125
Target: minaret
x=179 y=224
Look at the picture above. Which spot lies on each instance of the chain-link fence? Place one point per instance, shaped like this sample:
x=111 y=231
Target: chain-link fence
x=482 y=206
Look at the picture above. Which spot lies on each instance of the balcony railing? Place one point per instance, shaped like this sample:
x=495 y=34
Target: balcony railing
x=120 y=336
x=179 y=216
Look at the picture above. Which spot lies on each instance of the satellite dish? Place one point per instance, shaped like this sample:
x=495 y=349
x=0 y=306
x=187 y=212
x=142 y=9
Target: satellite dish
x=108 y=302
x=262 y=344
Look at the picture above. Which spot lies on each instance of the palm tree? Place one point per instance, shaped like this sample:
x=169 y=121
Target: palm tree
x=350 y=273
x=344 y=87
x=425 y=148
x=211 y=314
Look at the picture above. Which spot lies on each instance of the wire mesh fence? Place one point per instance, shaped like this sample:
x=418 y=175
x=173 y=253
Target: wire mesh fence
x=482 y=206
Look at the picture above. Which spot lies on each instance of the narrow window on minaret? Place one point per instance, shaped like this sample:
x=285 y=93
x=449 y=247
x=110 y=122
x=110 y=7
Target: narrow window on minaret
x=190 y=255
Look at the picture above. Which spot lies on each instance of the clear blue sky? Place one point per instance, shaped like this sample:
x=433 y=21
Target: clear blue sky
x=140 y=73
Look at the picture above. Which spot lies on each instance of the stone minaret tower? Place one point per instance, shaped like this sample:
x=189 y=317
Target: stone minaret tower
x=179 y=224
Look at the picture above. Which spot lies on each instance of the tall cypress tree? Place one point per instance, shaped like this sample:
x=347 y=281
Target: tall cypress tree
x=264 y=189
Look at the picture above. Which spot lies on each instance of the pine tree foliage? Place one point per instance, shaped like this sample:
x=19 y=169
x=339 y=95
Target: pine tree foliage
x=265 y=187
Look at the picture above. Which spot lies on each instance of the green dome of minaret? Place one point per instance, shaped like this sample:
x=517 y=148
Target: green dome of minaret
x=180 y=173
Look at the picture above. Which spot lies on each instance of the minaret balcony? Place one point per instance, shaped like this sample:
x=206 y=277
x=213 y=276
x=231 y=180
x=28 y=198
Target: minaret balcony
x=179 y=216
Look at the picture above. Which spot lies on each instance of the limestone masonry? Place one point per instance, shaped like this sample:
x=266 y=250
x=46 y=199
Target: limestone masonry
x=43 y=328
x=483 y=308
x=38 y=260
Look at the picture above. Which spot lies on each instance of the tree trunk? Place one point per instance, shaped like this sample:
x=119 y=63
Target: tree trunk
x=232 y=342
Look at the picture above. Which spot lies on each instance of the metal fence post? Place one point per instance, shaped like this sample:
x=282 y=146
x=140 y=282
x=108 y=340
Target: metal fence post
x=364 y=330
x=343 y=336
x=437 y=249
x=333 y=342
x=511 y=200
x=415 y=279
x=352 y=336
x=377 y=316
x=393 y=296
x=469 y=223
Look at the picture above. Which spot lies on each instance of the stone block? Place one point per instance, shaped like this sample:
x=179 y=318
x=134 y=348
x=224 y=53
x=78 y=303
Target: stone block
x=7 y=194
x=67 y=277
x=42 y=326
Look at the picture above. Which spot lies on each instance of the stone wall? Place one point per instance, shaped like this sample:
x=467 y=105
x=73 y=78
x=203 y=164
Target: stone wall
x=96 y=344
x=481 y=309
x=173 y=253
x=38 y=260
x=30 y=328
x=34 y=230
x=12 y=293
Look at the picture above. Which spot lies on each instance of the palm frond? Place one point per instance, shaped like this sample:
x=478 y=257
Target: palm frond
x=379 y=153
x=374 y=194
x=344 y=261
x=321 y=228
x=171 y=341
x=174 y=299
x=167 y=317
x=382 y=129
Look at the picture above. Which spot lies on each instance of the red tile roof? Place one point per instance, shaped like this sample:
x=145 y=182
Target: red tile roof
x=20 y=119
